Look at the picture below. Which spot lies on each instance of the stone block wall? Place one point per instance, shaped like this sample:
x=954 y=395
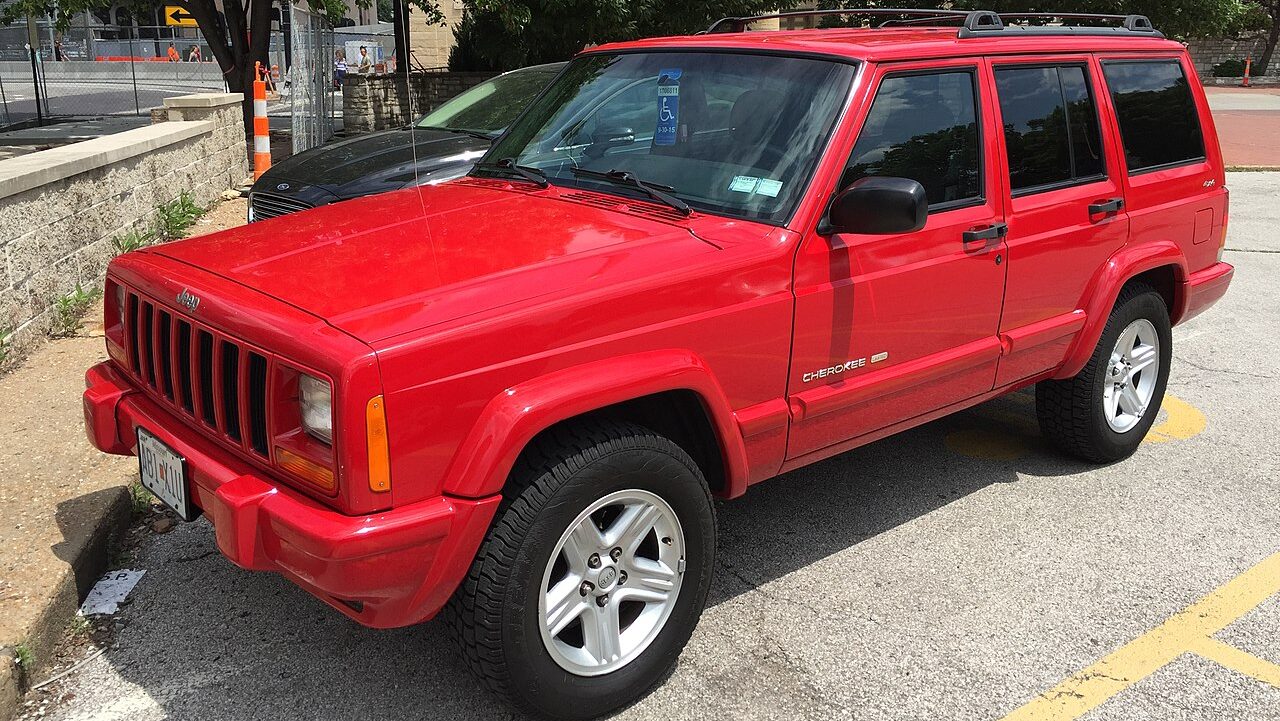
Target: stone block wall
x=61 y=209
x=1207 y=53
x=378 y=102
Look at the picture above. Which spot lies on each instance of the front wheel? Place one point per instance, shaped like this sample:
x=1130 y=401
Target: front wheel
x=594 y=574
x=1105 y=411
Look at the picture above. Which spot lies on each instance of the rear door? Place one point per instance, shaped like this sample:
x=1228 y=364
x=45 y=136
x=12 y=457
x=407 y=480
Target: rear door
x=892 y=327
x=1066 y=204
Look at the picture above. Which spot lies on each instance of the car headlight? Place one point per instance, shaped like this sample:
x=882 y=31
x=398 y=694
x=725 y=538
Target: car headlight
x=315 y=405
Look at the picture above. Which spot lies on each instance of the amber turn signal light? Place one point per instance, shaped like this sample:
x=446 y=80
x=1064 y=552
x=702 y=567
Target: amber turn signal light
x=306 y=469
x=375 y=417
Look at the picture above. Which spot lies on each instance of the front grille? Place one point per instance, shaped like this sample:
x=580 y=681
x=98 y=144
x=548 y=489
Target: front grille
x=197 y=372
x=270 y=205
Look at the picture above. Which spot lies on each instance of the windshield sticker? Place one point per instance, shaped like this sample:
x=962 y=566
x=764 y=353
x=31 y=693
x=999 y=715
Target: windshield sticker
x=743 y=184
x=768 y=187
x=668 y=107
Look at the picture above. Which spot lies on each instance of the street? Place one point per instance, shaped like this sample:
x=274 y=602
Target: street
x=961 y=570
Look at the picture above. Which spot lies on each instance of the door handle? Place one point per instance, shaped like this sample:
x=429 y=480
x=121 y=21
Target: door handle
x=1114 y=205
x=995 y=231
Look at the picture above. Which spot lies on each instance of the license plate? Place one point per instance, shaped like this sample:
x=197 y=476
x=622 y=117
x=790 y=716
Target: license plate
x=163 y=473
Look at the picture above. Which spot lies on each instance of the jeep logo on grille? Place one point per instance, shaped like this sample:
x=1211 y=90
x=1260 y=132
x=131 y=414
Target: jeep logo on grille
x=188 y=299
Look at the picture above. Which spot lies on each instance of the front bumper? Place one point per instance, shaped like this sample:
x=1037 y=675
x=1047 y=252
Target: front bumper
x=385 y=570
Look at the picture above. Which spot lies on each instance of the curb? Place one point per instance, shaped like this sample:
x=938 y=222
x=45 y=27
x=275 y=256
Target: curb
x=87 y=559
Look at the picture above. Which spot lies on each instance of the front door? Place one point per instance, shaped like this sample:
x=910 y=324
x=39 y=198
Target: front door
x=891 y=327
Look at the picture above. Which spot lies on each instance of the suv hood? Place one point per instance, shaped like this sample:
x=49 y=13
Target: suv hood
x=382 y=266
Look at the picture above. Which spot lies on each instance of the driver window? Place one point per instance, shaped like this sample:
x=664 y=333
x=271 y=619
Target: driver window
x=923 y=126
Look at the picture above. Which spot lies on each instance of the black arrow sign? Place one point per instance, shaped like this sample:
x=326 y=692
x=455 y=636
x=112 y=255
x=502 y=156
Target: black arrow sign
x=178 y=15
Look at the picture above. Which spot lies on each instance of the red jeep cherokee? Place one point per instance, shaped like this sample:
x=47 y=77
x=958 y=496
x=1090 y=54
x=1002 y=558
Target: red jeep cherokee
x=693 y=264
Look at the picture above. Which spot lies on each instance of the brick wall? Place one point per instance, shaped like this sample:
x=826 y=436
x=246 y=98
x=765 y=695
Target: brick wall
x=1207 y=53
x=61 y=209
x=378 y=102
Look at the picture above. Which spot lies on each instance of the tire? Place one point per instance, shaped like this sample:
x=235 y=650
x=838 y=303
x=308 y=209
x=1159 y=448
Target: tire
x=1090 y=416
x=496 y=616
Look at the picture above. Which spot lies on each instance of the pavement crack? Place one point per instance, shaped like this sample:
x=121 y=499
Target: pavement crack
x=1211 y=369
x=189 y=559
x=1252 y=250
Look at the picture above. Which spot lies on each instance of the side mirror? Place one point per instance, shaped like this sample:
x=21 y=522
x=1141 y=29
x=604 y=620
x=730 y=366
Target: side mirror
x=877 y=206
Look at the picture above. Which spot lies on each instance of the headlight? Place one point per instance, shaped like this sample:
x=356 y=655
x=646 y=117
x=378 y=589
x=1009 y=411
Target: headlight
x=315 y=405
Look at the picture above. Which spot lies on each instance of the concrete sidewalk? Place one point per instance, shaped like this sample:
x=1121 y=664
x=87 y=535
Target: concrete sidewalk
x=60 y=502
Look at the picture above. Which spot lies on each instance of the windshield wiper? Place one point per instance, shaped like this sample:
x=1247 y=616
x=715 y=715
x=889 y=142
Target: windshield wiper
x=460 y=131
x=511 y=167
x=629 y=179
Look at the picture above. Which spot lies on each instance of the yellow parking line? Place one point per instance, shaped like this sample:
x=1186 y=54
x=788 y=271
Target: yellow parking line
x=1186 y=631
x=1237 y=660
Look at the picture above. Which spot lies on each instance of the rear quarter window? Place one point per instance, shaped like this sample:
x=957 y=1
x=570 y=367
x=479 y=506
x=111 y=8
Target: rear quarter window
x=1157 y=113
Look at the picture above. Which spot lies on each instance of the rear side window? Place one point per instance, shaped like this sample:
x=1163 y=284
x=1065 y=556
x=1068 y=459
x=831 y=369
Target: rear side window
x=1050 y=127
x=923 y=126
x=1158 y=119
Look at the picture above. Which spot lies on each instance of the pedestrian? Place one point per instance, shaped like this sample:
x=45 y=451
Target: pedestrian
x=339 y=68
x=58 y=53
x=194 y=55
x=174 y=57
x=366 y=63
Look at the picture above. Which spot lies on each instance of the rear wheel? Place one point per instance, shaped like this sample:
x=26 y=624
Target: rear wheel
x=593 y=575
x=1105 y=411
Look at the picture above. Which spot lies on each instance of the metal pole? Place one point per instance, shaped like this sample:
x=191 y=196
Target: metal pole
x=33 y=43
x=133 y=71
x=5 y=100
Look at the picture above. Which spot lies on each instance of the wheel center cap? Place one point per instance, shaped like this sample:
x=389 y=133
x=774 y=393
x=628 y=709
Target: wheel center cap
x=607 y=576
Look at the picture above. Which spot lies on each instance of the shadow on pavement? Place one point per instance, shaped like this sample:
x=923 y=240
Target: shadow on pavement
x=205 y=640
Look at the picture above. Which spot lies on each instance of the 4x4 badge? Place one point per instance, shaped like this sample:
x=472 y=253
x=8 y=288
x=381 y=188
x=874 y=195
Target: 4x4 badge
x=188 y=299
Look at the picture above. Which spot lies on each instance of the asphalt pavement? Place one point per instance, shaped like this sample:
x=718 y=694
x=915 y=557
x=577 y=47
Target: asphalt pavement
x=961 y=570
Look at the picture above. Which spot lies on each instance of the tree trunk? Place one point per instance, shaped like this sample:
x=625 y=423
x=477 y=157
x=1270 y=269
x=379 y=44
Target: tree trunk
x=400 y=25
x=1272 y=38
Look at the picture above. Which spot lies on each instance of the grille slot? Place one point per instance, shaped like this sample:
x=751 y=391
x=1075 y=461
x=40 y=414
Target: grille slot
x=258 y=403
x=270 y=205
x=205 y=372
x=165 y=352
x=148 y=343
x=231 y=389
x=184 y=367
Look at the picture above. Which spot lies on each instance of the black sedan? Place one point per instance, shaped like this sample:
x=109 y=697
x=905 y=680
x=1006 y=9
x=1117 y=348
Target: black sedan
x=446 y=142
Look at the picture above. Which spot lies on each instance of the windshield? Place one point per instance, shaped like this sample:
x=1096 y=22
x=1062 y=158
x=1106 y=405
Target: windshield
x=728 y=133
x=492 y=105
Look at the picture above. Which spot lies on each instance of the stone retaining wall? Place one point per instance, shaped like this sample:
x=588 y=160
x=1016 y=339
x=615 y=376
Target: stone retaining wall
x=378 y=102
x=61 y=209
x=1207 y=53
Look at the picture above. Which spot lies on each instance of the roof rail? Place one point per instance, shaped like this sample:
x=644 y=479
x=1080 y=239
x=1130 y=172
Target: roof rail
x=739 y=24
x=973 y=23
x=1135 y=24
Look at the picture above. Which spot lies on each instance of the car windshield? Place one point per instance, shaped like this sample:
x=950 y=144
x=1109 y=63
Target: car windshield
x=492 y=105
x=727 y=133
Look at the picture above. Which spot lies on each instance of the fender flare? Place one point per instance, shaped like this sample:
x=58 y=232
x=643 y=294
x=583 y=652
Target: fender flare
x=1102 y=292
x=514 y=417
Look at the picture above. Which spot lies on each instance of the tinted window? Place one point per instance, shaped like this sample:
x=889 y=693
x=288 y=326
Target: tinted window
x=923 y=127
x=1157 y=114
x=1050 y=126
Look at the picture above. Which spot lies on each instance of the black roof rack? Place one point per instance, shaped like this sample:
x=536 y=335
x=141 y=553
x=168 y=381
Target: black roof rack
x=973 y=23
